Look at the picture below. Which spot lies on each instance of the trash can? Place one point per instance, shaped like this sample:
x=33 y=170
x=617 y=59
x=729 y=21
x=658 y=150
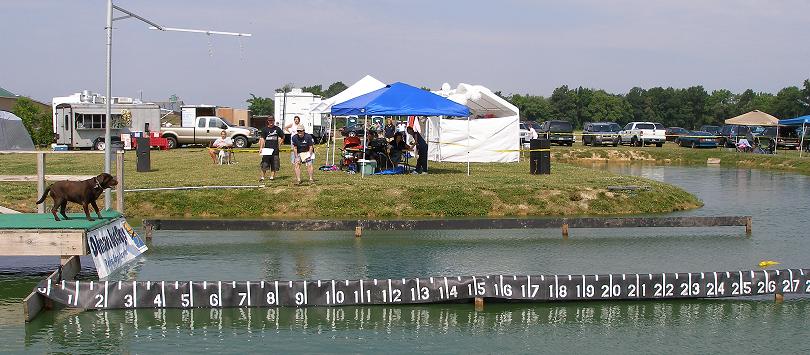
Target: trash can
x=540 y=156
x=142 y=153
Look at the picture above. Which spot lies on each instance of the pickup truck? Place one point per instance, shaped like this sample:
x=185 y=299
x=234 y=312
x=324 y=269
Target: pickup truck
x=207 y=130
x=642 y=133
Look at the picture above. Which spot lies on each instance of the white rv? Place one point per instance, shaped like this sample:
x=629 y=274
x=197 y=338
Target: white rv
x=301 y=104
x=79 y=120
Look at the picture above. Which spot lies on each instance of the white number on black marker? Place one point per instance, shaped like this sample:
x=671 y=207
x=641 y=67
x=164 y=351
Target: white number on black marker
x=507 y=290
x=128 y=301
x=213 y=300
x=185 y=301
x=807 y=289
x=100 y=300
x=271 y=298
x=631 y=290
x=158 y=302
x=242 y=298
x=532 y=291
x=586 y=293
x=790 y=285
x=299 y=298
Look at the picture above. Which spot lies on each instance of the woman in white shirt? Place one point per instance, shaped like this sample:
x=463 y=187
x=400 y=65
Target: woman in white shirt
x=222 y=142
x=291 y=129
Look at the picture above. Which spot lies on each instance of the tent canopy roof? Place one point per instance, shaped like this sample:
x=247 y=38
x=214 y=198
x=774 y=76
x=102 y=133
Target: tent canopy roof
x=754 y=118
x=363 y=86
x=481 y=100
x=400 y=99
x=798 y=121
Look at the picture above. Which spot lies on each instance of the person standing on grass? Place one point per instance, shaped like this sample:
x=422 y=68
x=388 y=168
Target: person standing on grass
x=291 y=129
x=303 y=147
x=272 y=137
x=421 y=150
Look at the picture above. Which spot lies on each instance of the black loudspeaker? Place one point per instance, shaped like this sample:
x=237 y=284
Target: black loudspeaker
x=142 y=153
x=540 y=156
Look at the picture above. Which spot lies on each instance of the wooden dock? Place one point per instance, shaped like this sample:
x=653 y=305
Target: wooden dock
x=35 y=234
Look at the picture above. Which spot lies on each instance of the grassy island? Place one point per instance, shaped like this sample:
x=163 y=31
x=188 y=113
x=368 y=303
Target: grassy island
x=496 y=190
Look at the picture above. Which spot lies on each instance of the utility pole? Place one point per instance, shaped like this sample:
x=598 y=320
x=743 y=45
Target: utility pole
x=108 y=102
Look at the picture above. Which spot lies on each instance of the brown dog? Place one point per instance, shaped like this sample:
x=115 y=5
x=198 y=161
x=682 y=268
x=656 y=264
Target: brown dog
x=83 y=192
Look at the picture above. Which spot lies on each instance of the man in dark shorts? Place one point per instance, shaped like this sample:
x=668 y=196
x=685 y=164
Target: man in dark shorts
x=304 y=148
x=272 y=137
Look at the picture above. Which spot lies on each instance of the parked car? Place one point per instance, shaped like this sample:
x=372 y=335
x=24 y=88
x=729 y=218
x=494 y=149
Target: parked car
x=788 y=136
x=601 y=133
x=673 y=133
x=698 y=139
x=643 y=133
x=560 y=132
x=731 y=133
x=714 y=130
x=525 y=133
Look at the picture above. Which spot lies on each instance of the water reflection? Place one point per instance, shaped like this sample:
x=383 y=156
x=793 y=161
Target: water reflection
x=117 y=331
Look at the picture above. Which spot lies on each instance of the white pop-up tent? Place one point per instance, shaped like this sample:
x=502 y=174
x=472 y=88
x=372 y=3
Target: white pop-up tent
x=490 y=134
x=363 y=86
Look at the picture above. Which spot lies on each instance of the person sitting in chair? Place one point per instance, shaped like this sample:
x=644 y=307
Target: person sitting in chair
x=397 y=148
x=218 y=146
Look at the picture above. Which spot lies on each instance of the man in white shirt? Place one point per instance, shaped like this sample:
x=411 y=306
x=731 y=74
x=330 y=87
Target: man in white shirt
x=217 y=147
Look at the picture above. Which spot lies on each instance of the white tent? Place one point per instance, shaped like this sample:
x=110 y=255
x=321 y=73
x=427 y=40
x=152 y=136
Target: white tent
x=363 y=86
x=13 y=135
x=491 y=134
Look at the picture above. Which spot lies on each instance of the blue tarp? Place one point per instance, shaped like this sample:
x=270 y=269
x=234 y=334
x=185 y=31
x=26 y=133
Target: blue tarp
x=400 y=99
x=798 y=121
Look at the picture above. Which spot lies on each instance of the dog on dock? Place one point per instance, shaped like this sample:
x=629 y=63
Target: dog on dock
x=84 y=192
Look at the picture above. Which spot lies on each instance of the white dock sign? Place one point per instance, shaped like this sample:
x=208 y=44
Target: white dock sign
x=113 y=245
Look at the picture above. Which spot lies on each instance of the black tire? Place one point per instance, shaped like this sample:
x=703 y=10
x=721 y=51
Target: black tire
x=240 y=142
x=634 y=142
x=99 y=144
x=172 y=142
x=616 y=143
x=659 y=145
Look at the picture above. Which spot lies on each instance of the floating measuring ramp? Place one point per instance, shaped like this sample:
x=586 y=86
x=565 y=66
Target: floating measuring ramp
x=445 y=224
x=528 y=288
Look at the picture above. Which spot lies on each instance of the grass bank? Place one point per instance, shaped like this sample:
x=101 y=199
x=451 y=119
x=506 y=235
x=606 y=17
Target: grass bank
x=493 y=190
x=671 y=154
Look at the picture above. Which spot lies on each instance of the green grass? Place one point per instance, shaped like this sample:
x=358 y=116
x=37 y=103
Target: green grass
x=784 y=160
x=494 y=189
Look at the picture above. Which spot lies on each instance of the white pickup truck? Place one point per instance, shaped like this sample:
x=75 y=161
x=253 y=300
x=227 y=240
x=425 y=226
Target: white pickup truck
x=642 y=133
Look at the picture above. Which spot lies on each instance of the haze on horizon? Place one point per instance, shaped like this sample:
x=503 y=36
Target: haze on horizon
x=54 y=48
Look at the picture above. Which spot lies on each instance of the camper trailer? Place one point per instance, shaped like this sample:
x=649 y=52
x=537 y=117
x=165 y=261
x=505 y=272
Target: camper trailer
x=299 y=103
x=79 y=120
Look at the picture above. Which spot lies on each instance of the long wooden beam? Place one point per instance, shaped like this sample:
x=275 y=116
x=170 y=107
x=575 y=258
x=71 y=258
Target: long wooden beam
x=444 y=224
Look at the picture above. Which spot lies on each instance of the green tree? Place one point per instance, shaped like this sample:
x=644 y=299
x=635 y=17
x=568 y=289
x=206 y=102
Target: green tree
x=721 y=105
x=314 y=89
x=564 y=104
x=334 y=89
x=260 y=105
x=603 y=106
x=37 y=122
x=532 y=108
x=788 y=103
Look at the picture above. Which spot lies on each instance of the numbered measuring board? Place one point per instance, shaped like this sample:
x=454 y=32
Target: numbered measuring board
x=199 y=294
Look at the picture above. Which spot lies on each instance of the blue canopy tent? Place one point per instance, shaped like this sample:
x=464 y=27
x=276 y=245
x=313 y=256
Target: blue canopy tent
x=399 y=99
x=802 y=121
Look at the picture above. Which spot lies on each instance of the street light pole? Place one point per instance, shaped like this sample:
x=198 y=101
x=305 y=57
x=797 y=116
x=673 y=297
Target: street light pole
x=108 y=101
x=108 y=105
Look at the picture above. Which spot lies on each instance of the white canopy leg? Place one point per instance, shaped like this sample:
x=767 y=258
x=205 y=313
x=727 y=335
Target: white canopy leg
x=365 y=146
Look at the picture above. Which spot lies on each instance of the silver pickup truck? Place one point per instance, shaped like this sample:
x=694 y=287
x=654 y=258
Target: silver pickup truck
x=207 y=130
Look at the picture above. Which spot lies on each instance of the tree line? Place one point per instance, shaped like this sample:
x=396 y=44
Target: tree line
x=689 y=107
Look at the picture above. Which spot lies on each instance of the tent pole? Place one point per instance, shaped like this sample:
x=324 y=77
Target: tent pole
x=468 y=145
x=801 y=144
x=365 y=145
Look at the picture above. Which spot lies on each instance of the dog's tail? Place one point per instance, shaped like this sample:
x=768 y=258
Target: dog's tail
x=44 y=195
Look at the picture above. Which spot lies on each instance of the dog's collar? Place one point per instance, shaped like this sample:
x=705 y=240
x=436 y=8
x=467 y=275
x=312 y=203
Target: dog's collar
x=98 y=185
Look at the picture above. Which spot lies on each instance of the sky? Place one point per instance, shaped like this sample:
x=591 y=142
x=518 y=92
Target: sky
x=54 y=48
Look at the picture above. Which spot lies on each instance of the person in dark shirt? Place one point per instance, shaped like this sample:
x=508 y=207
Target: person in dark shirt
x=272 y=137
x=421 y=150
x=390 y=129
x=396 y=149
x=304 y=148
